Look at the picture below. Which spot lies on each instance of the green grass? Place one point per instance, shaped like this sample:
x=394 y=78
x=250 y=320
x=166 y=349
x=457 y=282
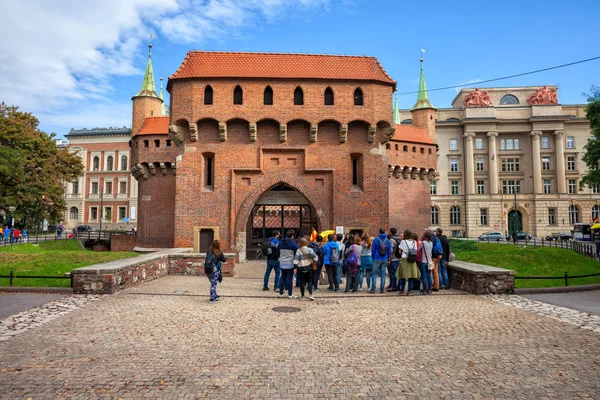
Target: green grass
x=52 y=258
x=530 y=261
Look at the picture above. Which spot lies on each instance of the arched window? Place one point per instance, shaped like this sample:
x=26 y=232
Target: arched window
x=452 y=119
x=414 y=149
x=405 y=148
x=74 y=213
x=268 y=97
x=358 y=97
x=573 y=215
x=455 y=215
x=238 y=95
x=124 y=166
x=422 y=150
x=298 y=96
x=328 y=97
x=109 y=163
x=96 y=163
x=429 y=151
x=208 y=95
x=435 y=215
x=396 y=146
x=509 y=99
x=595 y=213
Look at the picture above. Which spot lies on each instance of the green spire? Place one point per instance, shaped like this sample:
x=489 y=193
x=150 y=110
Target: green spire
x=163 y=108
x=148 y=88
x=396 y=113
x=422 y=98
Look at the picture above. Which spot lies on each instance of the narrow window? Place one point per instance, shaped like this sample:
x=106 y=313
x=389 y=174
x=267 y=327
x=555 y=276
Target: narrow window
x=552 y=216
x=156 y=143
x=107 y=214
x=93 y=214
x=208 y=95
x=298 y=96
x=573 y=215
x=480 y=187
x=75 y=187
x=455 y=215
x=96 y=163
x=435 y=215
x=358 y=97
x=124 y=165
x=108 y=188
x=422 y=150
x=74 y=213
x=268 y=96
x=328 y=97
x=123 y=187
x=109 y=163
x=414 y=149
x=122 y=213
x=595 y=213
x=168 y=142
x=396 y=147
x=483 y=216
x=94 y=188
x=388 y=146
x=238 y=95
x=209 y=177
x=405 y=148
x=357 y=167
x=433 y=189
x=146 y=143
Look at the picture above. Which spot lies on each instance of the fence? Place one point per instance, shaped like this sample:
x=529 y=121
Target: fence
x=584 y=248
x=566 y=277
x=12 y=277
x=10 y=241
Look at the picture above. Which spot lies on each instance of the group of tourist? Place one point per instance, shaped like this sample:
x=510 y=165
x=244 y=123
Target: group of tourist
x=14 y=235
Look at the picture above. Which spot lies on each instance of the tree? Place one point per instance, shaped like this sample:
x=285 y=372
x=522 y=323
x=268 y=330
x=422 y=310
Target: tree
x=32 y=169
x=591 y=156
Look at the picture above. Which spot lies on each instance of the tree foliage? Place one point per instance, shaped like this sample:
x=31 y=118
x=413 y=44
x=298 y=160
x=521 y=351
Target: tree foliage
x=32 y=168
x=591 y=156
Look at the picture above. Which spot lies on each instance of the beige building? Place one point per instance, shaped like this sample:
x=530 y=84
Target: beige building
x=498 y=142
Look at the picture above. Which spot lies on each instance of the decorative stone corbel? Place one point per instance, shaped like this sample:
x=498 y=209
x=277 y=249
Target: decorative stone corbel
x=222 y=131
x=152 y=168
x=138 y=171
x=390 y=171
x=194 y=132
x=175 y=134
x=174 y=168
x=314 y=130
x=252 y=131
x=282 y=132
x=371 y=134
x=414 y=173
x=343 y=133
x=163 y=168
x=387 y=134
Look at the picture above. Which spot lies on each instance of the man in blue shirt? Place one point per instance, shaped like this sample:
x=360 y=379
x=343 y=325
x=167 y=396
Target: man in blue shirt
x=331 y=252
x=272 y=261
x=380 y=251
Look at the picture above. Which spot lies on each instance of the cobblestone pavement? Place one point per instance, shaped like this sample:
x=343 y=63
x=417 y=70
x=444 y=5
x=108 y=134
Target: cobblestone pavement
x=148 y=342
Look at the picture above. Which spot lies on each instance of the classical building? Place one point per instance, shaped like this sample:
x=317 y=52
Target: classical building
x=263 y=141
x=510 y=158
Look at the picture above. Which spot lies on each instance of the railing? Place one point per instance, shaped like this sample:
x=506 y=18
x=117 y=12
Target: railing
x=566 y=277
x=64 y=236
x=584 y=248
x=12 y=277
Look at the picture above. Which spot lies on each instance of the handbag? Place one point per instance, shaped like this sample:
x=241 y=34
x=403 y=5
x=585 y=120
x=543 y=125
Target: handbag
x=451 y=257
x=430 y=264
x=312 y=263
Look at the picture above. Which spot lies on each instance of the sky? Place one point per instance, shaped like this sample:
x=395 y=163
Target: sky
x=76 y=64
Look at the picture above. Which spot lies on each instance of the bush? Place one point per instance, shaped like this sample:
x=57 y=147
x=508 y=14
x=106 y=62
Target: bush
x=462 y=245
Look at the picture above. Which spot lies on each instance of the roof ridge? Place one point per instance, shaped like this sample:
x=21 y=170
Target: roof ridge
x=278 y=53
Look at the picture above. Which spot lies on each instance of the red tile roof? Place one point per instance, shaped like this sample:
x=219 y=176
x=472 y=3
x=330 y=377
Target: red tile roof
x=154 y=126
x=202 y=64
x=413 y=134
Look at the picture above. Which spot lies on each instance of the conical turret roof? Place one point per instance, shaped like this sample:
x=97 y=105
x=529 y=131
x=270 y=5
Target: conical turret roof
x=422 y=97
x=148 y=87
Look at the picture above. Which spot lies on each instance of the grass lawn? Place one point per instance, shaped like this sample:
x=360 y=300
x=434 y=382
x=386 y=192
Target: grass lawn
x=530 y=261
x=52 y=258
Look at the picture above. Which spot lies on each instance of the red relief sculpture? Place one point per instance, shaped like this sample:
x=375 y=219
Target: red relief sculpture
x=477 y=98
x=543 y=96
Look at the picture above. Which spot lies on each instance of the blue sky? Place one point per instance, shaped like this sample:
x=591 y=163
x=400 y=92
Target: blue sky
x=81 y=68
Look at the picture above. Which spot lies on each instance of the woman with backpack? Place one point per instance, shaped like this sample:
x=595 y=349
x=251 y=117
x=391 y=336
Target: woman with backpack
x=304 y=260
x=426 y=263
x=408 y=271
x=352 y=254
x=212 y=268
x=366 y=260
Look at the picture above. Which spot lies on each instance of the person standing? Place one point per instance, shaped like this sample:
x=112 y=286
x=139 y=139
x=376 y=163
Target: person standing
x=25 y=235
x=380 y=251
x=17 y=235
x=424 y=259
x=366 y=261
x=340 y=262
x=394 y=260
x=407 y=272
x=352 y=254
x=303 y=261
x=6 y=233
x=212 y=268
x=436 y=255
x=317 y=247
x=272 y=250
x=287 y=251
x=331 y=252
x=443 y=263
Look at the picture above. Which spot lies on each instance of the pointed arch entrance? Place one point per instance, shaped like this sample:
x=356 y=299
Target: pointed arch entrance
x=281 y=208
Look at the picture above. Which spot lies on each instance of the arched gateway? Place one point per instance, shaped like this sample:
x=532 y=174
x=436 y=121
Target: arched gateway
x=281 y=208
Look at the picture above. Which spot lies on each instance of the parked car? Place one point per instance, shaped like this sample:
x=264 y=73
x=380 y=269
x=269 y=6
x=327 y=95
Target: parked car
x=523 y=236
x=559 y=236
x=492 y=236
x=84 y=228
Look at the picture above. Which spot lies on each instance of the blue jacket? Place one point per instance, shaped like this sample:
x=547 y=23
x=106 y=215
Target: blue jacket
x=287 y=251
x=382 y=238
x=327 y=251
x=274 y=249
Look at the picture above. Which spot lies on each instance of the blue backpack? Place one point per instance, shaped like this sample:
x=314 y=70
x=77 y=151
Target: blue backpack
x=437 y=248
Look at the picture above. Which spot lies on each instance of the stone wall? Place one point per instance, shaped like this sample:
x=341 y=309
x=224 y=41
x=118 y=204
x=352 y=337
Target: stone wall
x=480 y=279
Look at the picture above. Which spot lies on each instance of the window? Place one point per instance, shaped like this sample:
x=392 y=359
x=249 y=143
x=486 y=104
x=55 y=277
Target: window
x=107 y=214
x=596 y=189
x=511 y=165
x=357 y=167
x=483 y=216
x=547 y=186
x=509 y=144
x=122 y=213
x=435 y=215
x=572 y=186
x=94 y=188
x=453 y=144
x=478 y=144
x=358 y=97
x=146 y=142
x=455 y=215
x=108 y=187
x=93 y=214
x=479 y=164
x=109 y=163
x=123 y=187
x=454 y=165
x=298 y=96
x=414 y=149
x=453 y=187
x=405 y=148
x=511 y=186
x=595 y=212
x=552 y=216
x=209 y=161
x=545 y=142
x=96 y=163
x=238 y=95
x=573 y=215
x=124 y=165
x=168 y=142
x=156 y=142
x=74 y=213
x=396 y=146
x=480 y=187
x=546 y=163
x=570 y=142
x=570 y=163
x=422 y=150
x=509 y=99
x=388 y=146
x=75 y=185
x=208 y=95
x=433 y=187
x=268 y=96
x=328 y=97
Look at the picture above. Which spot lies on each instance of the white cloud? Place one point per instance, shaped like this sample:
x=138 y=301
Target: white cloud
x=463 y=85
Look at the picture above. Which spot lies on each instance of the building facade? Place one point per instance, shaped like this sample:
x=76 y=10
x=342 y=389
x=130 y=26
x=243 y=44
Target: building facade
x=510 y=159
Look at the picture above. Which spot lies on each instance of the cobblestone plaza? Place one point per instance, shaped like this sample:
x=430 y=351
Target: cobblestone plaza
x=164 y=340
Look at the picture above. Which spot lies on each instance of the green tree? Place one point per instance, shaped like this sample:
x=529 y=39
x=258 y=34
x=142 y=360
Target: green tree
x=32 y=169
x=592 y=148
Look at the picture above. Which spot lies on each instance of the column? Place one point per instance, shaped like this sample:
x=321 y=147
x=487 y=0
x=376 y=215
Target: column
x=493 y=162
x=537 y=162
x=469 y=167
x=561 y=179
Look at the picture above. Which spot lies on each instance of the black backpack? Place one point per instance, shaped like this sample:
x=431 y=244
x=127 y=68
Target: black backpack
x=411 y=256
x=267 y=247
x=382 y=249
x=334 y=255
x=396 y=248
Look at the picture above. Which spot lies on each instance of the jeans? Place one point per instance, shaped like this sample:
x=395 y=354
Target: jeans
x=352 y=281
x=403 y=282
x=426 y=277
x=286 y=281
x=214 y=279
x=339 y=272
x=305 y=279
x=361 y=274
x=379 y=268
x=272 y=265
x=392 y=268
x=444 y=282
x=334 y=283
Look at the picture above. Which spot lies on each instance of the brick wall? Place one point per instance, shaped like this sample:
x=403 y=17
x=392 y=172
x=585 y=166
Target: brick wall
x=122 y=242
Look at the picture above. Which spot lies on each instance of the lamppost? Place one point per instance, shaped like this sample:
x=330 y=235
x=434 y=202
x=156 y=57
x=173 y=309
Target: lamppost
x=101 y=208
x=12 y=209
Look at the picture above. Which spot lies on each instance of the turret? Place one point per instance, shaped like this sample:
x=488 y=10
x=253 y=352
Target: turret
x=423 y=113
x=146 y=103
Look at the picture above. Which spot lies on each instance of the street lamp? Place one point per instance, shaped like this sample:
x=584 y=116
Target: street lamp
x=12 y=209
x=101 y=208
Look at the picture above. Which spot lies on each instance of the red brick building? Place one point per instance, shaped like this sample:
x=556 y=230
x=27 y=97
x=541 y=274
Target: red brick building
x=257 y=141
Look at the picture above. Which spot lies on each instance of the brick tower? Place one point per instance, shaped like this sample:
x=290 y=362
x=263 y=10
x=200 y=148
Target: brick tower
x=423 y=113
